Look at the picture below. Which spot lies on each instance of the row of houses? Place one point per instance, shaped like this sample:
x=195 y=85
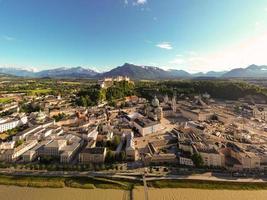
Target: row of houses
x=9 y=123
x=228 y=156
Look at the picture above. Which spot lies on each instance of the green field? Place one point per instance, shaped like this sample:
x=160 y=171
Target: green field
x=211 y=185
x=32 y=181
x=71 y=83
x=38 y=91
x=59 y=182
x=104 y=183
x=5 y=100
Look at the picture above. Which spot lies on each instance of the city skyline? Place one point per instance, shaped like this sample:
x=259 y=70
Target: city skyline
x=189 y=35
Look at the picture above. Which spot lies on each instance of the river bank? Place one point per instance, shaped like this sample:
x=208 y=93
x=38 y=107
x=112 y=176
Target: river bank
x=61 y=182
x=81 y=188
x=199 y=194
x=124 y=184
x=29 y=193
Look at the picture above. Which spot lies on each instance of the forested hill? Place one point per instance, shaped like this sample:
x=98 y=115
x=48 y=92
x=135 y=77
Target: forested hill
x=228 y=90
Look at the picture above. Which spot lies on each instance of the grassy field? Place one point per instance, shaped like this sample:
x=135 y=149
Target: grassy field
x=5 y=100
x=3 y=136
x=31 y=92
x=104 y=183
x=59 y=182
x=9 y=133
x=101 y=183
x=71 y=83
x=38 y=91
x=210 y=185
x=32 y=181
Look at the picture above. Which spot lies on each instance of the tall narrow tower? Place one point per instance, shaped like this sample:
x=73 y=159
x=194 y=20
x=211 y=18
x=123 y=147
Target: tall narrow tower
x=166 y=99
x=174 y=102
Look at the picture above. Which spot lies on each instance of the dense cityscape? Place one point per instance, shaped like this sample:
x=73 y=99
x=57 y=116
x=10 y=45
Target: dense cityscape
x=109 y=126
x=133 y=100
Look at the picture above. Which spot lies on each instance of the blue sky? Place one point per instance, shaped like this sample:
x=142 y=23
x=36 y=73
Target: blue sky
x=194 y=35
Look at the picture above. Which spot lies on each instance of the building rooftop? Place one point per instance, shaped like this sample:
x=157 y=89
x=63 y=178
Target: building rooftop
x=56 y=144
x=145 y=122
x=234 y=147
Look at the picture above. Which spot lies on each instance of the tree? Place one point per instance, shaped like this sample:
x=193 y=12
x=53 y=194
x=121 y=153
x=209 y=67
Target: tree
x=18 y=143
x=59 y=117
x=110 y=157
x=108 y=144
x=116 y=141
x=197 y=159
x=121 y=156
x=102 y=95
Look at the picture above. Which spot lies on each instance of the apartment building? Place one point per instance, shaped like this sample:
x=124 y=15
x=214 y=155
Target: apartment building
x=212 y=157
x=32 y=130
x=54 y=148
x=93 y=155
x=185 y=161
x=10 y=123
x=70 y=150
x=131 y=152
x=13 y=154
x=33 y=153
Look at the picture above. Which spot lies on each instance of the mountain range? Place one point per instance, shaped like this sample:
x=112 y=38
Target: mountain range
x=137 y=72
x=144 y=72
x=255 y=71
x=77 y=72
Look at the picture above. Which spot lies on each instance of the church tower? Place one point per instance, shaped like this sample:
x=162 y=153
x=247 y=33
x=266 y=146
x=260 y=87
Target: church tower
x=166 y=99
x=174 y=106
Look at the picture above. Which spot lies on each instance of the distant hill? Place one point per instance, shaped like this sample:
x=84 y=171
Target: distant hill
x=210 y=74
x=252 y=71
x=2 y=75
x=178 y=73
x=143 y=72
x=17 y=72
x=136 y=72
x=75 y=72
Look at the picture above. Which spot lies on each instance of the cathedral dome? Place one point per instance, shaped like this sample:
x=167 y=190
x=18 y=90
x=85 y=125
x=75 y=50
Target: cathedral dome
x=40 y=116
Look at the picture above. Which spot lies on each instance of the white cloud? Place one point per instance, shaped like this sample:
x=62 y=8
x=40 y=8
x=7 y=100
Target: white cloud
x=140 y=2
x=191 y=53
x=260 y=27
x=177 y=61
x=165 y=45
x=258 y=23
x=251 y=51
